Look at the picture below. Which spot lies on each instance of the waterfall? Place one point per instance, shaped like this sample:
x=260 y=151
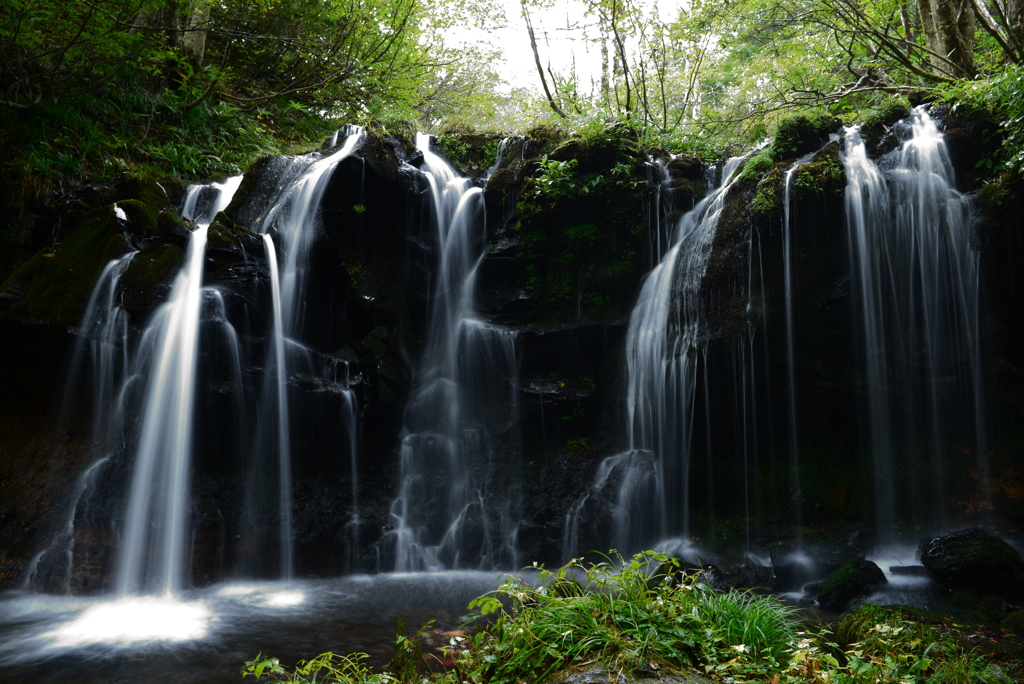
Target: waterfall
x=662 y=341
x=103 y=335
x=447 y=513
x=293 y=218
x=155 y=522
x=787 y=258
x=917 y=304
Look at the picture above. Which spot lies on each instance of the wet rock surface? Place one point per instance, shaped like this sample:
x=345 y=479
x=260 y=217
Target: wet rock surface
x=974 y=558
x=850 y=581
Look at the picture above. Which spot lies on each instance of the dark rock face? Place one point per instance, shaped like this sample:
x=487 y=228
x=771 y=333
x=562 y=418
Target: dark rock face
x=974 y=559
x=797 y=564
x=744 y=576
x=850 y=581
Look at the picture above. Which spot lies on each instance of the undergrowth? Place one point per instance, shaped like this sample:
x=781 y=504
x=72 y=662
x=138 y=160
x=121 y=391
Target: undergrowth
x=649 y=616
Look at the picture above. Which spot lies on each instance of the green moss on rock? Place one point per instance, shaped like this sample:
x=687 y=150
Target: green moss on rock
x=823 y=175
x=143 y=218
x=149 y=275
x=848 y=582
x=801 y=134
x=54 y=286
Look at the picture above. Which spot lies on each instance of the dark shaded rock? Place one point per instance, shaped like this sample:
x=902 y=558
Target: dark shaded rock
x=974 y=558
x=148 y=279
x=795 y=565
x=688 y=168
x=1014 y=622
x=54 y=285
x=745 y=576
x=852 y=580
x=909 y=570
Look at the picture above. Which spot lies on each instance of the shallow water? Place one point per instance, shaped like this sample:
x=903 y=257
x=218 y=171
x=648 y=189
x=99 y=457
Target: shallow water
x=206 y=635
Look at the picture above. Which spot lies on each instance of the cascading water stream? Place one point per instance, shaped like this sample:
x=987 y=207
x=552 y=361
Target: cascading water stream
x=447 y=457
x=787 y=258
x=103 y=335
x=293 y=217
x=152 y=555
x=664 y=332
x=917 y=303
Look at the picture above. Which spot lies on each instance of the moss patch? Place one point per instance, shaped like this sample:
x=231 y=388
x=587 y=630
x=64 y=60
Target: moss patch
x=151 y=268
x=54 y=286
x=581 y=231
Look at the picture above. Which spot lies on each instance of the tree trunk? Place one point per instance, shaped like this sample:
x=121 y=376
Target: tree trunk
x=949 y=33
x=954 y=22
x=931 y=36
x=193 y=41
x=1015 y=18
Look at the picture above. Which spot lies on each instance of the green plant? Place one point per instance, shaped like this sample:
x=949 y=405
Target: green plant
x=641 y=613
x=327 y=667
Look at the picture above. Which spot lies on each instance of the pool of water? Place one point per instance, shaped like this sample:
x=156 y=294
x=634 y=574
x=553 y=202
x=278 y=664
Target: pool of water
x=207 y=635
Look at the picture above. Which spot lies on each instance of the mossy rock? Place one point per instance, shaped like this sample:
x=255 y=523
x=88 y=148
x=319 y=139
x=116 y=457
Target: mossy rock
x=877 y=124
x=594 y=154
x=543 y=139
x=851 y=581
x=54 y=286
x=142 y=218
x=802 y=134
x=170 y=226
x=157 y=193
x=974 y=559
x=225 y=235
x=1014 y=622
x=147 y=280
x=689 y=168
x=472 y=153
x=824 y=175
x=770 y=194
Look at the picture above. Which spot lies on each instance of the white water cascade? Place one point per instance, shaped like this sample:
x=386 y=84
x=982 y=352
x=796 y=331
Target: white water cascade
x=662 y=359
x=293 y=218
x=156 y=520
x=917 y=304
x=447 y=513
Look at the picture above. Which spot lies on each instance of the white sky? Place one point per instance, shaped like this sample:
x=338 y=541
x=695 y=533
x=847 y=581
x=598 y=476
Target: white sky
x=561 y=38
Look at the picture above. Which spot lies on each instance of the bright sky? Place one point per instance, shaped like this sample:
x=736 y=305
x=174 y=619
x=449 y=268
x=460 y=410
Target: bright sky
x=564 y=36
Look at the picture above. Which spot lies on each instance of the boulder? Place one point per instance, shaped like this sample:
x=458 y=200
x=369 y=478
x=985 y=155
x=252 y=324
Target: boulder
x=974 y=559
x=794 y=565
x=852 y=580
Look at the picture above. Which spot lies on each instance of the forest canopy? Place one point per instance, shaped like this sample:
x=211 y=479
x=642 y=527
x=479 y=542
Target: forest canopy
x=93 y=88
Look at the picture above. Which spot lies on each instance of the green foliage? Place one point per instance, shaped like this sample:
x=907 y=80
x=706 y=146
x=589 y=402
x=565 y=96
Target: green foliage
x=799 y=134
x=889 y=111
x=648 y=614
x=578 y=446
x=578 y=229
x=824 y=175
x=644 y=614
x=325 y=668
x=758 y=164
x=454 y=147
x=405 y=665
x=1002 y=97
